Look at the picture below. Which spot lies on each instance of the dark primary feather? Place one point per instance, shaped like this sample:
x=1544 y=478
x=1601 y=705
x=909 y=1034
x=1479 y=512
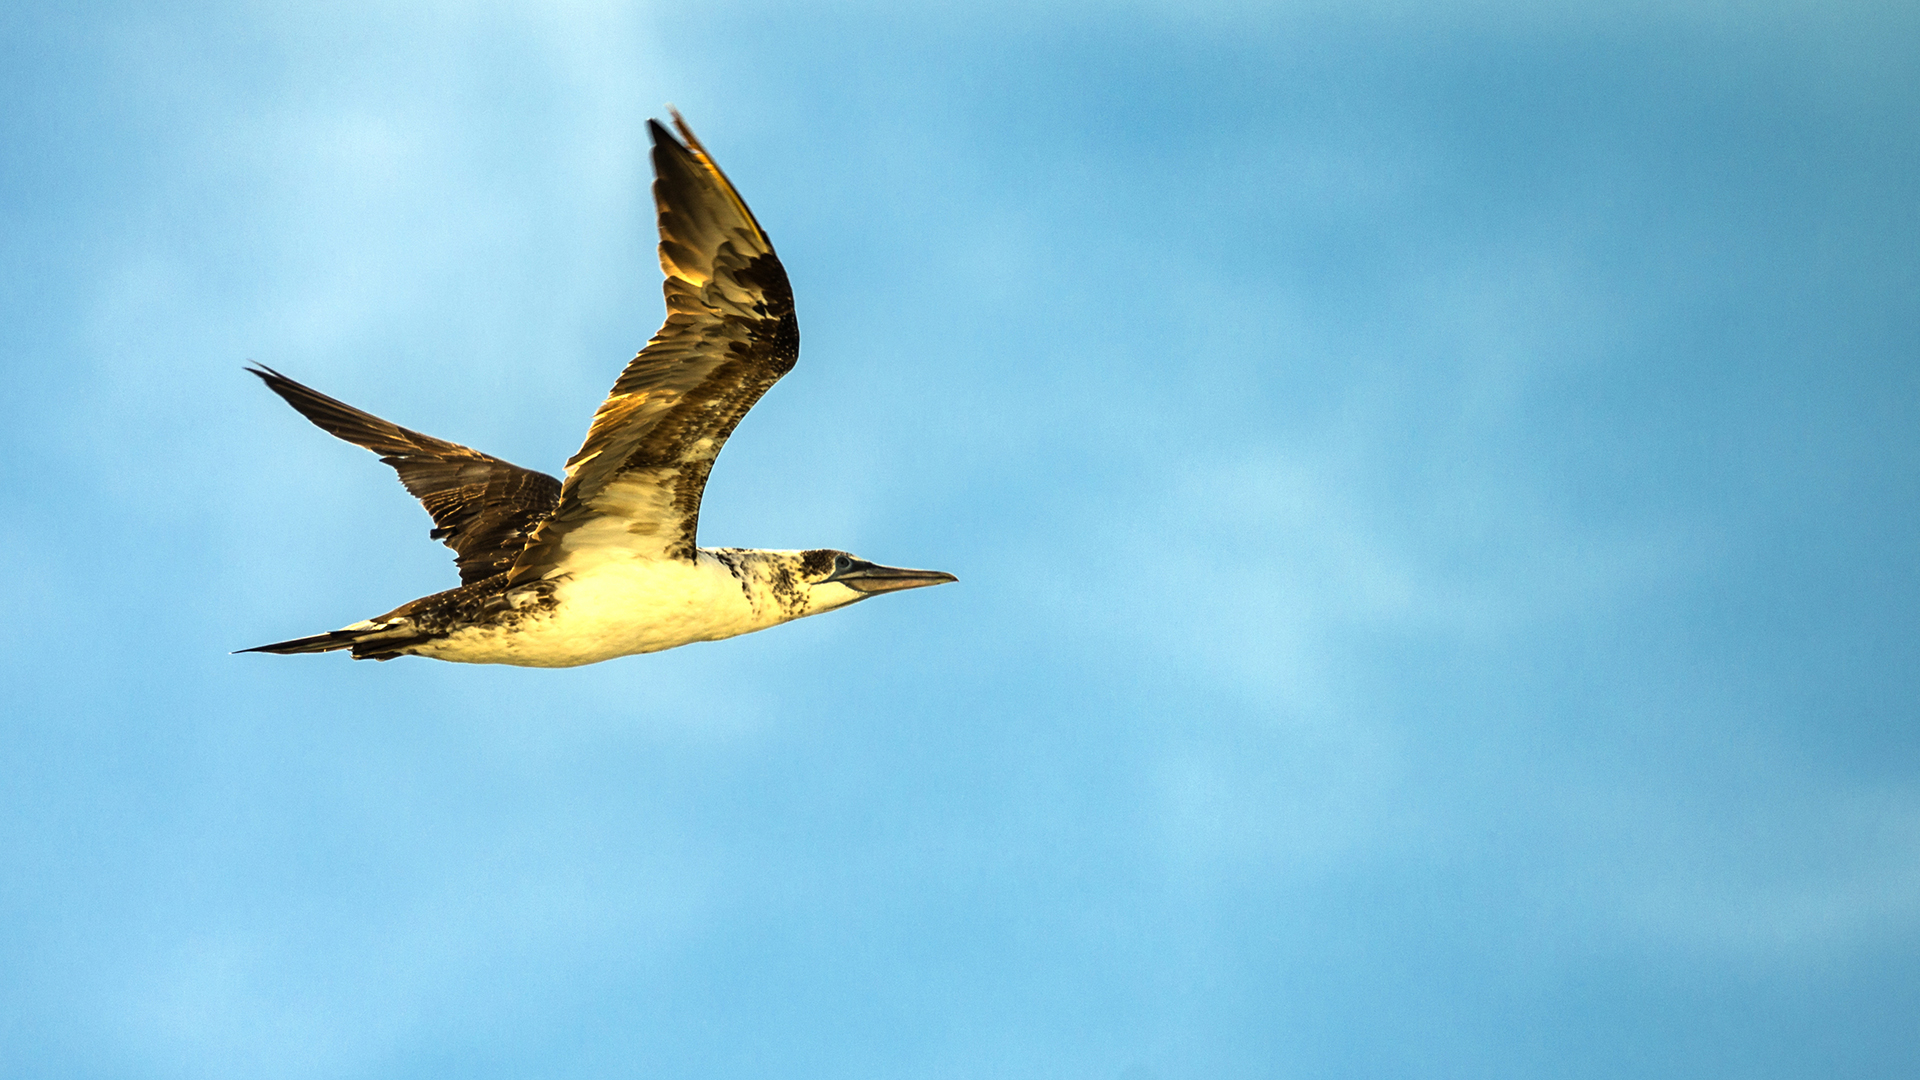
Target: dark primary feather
x=483 y=508
x=729 y=336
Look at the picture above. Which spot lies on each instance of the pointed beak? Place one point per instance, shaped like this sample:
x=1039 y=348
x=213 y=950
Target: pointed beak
x=866 y=577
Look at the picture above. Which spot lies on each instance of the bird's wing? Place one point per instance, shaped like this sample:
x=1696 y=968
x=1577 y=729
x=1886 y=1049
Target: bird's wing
x=483 y=508
x=730 y=334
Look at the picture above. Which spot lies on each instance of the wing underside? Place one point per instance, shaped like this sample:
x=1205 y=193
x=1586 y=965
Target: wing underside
x=730 y=334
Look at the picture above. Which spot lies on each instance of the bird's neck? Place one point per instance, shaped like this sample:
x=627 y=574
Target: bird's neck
x=773 y=581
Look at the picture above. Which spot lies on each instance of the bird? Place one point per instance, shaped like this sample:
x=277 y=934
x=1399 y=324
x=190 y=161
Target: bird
x=605 y=562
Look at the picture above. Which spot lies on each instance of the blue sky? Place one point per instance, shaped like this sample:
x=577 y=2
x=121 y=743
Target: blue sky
x=1435 y=489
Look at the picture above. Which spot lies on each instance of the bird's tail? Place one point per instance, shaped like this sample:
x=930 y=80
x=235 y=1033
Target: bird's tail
x=371 y=640
x=327 y=642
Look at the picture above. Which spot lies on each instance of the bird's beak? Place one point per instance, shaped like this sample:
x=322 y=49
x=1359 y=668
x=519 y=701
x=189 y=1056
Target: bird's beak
x=868 y=578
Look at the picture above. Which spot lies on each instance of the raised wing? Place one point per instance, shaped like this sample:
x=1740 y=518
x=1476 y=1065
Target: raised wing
x=483 y=508
x=730 y=334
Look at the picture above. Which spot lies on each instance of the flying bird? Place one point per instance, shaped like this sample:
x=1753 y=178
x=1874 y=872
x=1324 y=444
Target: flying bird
x=557 y=573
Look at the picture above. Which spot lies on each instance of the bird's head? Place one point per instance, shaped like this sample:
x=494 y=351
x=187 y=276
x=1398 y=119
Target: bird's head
x=835 y=579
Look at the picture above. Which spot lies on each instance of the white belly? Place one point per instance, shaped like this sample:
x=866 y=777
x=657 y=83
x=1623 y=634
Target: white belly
x=614 y=607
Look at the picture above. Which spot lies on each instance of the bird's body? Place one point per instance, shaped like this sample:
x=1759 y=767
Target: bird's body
x=604 y=564
x=602 y=605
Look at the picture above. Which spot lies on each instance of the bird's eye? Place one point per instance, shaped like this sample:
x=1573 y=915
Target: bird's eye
x=841 y=562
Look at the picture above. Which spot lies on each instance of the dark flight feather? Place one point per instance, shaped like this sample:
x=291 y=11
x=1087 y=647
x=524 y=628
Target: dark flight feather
x=482 y=507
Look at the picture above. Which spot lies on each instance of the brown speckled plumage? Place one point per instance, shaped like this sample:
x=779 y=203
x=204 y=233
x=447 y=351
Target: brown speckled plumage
x=487 y=602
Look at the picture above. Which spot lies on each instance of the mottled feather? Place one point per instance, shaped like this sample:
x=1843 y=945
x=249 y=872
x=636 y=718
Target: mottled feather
x=482 y=507
x=730 y=334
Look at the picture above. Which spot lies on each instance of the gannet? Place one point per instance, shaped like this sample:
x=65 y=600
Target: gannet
x=603 y=564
